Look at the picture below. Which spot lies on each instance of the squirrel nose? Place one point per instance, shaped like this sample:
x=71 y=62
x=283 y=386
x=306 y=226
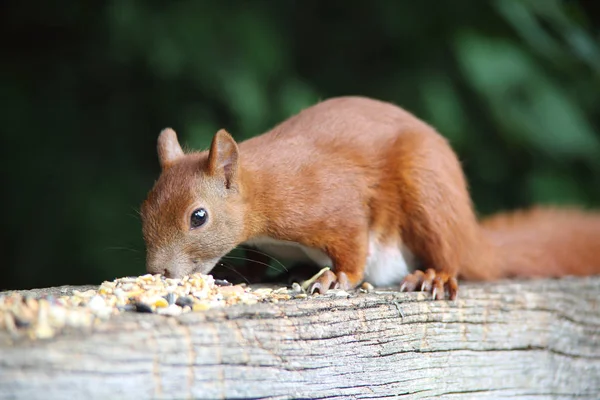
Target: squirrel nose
x=155 y=264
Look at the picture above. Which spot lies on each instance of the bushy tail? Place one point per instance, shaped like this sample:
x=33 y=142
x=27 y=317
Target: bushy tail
x=542 y=242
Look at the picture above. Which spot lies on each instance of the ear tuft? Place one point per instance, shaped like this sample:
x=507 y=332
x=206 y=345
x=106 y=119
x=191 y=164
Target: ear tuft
x=169 y=150
x=223 y=157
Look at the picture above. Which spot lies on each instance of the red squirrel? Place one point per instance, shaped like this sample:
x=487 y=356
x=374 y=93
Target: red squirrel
x=357 y=184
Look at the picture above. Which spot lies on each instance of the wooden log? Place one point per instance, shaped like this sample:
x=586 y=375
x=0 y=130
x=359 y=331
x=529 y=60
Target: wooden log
x=535 y=339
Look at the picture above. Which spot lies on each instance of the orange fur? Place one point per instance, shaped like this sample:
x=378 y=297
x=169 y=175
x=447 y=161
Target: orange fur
x=543 y=242
x=338 y=172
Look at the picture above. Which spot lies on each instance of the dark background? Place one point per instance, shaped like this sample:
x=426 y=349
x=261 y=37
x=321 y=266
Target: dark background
x=87 y=86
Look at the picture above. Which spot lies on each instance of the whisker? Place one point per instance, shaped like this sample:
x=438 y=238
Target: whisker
x=136 y=217
x=229 y=267
x=267 y=255
x=225 y=263
x=122 y=248
x=258 y=262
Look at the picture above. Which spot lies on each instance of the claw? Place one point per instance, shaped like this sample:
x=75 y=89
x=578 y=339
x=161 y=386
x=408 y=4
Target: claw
x=428 y=279
x=343 y=282
x=411 y=282
x=323 y=283
x=431 y=281
x=328 y=280
x=452 y=288
x=315 y=287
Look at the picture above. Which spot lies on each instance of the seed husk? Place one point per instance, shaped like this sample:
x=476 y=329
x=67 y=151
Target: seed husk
x=184 y=301
x=171 y=297
x=143 y=308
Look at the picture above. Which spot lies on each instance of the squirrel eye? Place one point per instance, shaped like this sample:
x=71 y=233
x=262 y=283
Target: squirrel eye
x=198 y=218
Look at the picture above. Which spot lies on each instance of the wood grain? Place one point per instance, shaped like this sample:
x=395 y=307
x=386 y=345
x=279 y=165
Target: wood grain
x=536 y=339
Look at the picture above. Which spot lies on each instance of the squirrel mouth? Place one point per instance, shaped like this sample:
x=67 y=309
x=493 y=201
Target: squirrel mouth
x=204 y=267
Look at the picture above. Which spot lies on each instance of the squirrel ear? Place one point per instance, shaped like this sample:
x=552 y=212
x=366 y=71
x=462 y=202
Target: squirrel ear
x=168 y=147
x=223 y=157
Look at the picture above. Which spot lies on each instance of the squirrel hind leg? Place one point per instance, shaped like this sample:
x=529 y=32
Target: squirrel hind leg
x=431 y=281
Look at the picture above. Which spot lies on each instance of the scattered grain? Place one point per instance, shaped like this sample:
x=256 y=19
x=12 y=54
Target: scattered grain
x=43 y=317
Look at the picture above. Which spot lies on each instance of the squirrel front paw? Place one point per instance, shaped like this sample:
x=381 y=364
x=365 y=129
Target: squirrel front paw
x=437 y=283
x=330 y=280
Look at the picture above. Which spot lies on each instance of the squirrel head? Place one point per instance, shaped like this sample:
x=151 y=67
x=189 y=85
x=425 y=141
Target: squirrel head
x=194 y=214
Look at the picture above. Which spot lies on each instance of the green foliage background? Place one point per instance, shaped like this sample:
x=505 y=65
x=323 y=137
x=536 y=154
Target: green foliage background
x=87 y=86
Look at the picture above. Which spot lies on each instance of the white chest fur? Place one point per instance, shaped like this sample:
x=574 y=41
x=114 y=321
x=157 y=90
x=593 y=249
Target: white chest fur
x=386 y=264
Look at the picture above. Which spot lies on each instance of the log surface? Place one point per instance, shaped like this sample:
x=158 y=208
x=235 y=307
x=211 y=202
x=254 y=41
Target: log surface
x=536 y=339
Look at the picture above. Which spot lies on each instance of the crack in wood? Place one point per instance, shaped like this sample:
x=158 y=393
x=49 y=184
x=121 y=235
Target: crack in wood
x=191 y=358
x=156 y=375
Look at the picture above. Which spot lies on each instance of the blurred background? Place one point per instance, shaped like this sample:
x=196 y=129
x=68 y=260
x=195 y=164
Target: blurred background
x=87 y=87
